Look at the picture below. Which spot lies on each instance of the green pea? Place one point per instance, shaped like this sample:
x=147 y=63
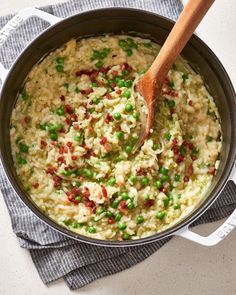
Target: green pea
x=172 y=85
x=91 y=230
x=128 y=107
x=120 y=134
x=166 y=202
x=133 y=179
x=117 y=116
x=165 y=177
x=66 y=173
x=185 y=77
x=91 y=110
x=135 y=115
x=128 y=83
x=167 y=136
x=130 y=205
x=60 y=60
x=122 y=225
x=160 y=215
x=177 y=177
x=155 y=146
x=60 y=111
x=88 y=173
x=100 y=210
x=147 y=197
x=196 y=151
x=124 y=196
x=171 y=104
x=125 y=72
x=209 y=139
x=128 y=149
x=20 y=160
x=139 y=219
x=53 y=136
x=118 y=217
x=120 y=83
x=24 y=95
x=59 y=68
x=158 y=184
x=118 y=159
x=122 y=43
x=115 y=204
x=77 y=138
x=96 y=100
x=129 y=52
x=77 y=90
x=182 y=151
x=66 y=85
x=144 y=181
x=111 y=181
x=23 y=148
x=126 y=94
x=109 y=214
x=147 y=45
x=126 y=236
x=163 y=170
x=99 y=64
x=43 y=126
x=78 y=198
x=176 y=206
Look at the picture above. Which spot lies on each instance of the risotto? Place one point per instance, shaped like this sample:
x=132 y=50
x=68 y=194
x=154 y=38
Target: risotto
x=74 y=126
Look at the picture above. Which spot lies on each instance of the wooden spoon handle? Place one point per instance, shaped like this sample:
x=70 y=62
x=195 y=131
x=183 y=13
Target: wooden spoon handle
x=188 y=20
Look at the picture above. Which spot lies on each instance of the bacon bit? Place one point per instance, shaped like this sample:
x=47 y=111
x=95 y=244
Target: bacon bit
x=75 y=191
x=180 y=159
x=123 y=204
x=108 y=119
x=69 y=144
x=82 y=91
x=212 y=170
x=62 y=98
x=63 y=149
x=90 y=129
x=57 y=181
x=166 y=81
x=103 y=140
x=51 y=170
x=175 y=150
x=62 y=130
x=118 y=128
x=61 y=159
x=191 y=146
x=87 y=155
x=70 y=198
x=164 y=190
x=190 y=102
x=125 y=66
x=88 y=91
x=174 y=141
x=140 y=171
x=76 y=127
x=113 y=85
x=193 y=157
x=104 y=191
x=35 y=184
x=108 y=96
x=43 y=143
x=93 y=75
x=86 y=147
x=73 y=158
x=107 y=147
x=86 y=192
x=148 y=203
x=118 y=91
x=74 y=117
x=111 y=220
x=104 y=70
x=68 y=109
x=184 y=143
x=68 y=121
x=27 y=119
x=114 y=73
x=90 y=204
x=92 y=153
x=186 y=178
x=190 y=170
x=86 y=116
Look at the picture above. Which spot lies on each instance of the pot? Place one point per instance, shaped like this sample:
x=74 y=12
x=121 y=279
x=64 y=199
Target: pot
x=118 y=20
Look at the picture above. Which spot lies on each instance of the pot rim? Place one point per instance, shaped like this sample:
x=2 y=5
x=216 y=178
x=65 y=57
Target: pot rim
x=158 y=236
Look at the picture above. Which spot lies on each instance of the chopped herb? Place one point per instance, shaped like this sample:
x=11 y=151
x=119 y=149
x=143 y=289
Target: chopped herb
x=185 y=77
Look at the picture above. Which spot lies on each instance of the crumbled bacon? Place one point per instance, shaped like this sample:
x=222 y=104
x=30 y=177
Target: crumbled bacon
x=108 y=119
x=180 y=159
x=43 y=143
x=190 y=102
x=61 y=159
x=148 y=203
x=27 y=119
x=123 y=204
x=68 y=121
x=212 y=170
x=68 y=109
x=51 y=170
x=76 y=126
x=111 y=220
x=73 y=158
x=75 y=191
x=57 y=181
x=104 y=191
x=86 y=192
x=62 y=98
x=118 y=91
x=74 y=117
x=174 y=141
x=186 y=178
x=103 y=140
x=35 y=184
x=69 y=144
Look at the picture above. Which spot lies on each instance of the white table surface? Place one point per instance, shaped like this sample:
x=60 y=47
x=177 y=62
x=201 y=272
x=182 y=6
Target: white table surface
x=180 y=267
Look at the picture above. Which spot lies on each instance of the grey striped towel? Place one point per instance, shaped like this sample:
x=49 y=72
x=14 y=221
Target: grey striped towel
x=53 y=254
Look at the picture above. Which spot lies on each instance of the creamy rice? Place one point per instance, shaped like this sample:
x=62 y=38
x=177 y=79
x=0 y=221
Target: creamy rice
x=74 y=126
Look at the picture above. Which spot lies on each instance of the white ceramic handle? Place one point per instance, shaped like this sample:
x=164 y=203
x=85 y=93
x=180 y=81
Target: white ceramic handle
x=219 y=234
x=16 y=21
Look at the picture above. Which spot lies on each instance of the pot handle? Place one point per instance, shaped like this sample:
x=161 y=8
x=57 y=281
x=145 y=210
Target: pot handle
x=16 y=21
x=219 y=234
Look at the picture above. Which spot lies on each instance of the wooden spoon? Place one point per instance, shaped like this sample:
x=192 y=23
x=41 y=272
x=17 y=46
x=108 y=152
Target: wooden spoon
x=150 y=85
